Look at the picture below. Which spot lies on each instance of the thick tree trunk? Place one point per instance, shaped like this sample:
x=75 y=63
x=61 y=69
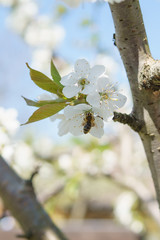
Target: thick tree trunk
x=144 y=76
x=19 y=197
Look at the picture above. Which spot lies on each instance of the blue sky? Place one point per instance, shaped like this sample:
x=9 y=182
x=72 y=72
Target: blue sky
x=14 y=77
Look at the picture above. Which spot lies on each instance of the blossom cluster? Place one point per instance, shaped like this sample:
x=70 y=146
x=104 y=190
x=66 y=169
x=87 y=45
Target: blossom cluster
x=91 y=99
x=36 y=28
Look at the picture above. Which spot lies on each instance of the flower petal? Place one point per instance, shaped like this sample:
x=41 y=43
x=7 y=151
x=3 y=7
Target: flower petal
x=63 y=127
x=102 y=112
x=76 y=127
x=95 y=72
x=97 y=130
x=57 y=116
x=88 y=89
x=70 y=91
x=94 y=99
x=69 y=79
x=82 y=68
x=119 y=99
x=72 y=111
x=102 y=84
x=108 y=109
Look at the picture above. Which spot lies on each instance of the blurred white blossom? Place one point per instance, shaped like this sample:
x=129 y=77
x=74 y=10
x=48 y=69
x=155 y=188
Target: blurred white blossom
x=22 y=15
x=39 y=31
x=123 y=208
x=42 y=32
x=8 y=121
x=8 y=128
x=44 y=147
x=7 y=223
x=65 y=162
x=24 y=159
x=7 y=3
x=110 y=160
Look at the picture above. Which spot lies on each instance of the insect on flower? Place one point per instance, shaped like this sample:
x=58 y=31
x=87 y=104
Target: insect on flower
x=88 y=123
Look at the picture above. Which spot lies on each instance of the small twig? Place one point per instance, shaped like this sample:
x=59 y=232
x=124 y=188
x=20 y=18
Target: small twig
x=128 y=119
x=30 y=180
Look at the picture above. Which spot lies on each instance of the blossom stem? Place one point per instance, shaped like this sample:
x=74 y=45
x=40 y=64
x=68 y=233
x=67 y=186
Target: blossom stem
x=79 y=101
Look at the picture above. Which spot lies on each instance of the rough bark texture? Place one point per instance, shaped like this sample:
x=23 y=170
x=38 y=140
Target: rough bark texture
x=19 y=197
x=144 y=76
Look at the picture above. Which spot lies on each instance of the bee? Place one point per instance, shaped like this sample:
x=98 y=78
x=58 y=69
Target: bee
x=88 y=122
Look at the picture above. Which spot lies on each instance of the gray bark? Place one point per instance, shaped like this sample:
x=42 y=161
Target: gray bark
x=144 y=77
x=19 y=197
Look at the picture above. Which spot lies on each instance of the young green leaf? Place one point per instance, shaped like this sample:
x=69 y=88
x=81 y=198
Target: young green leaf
x=31 y=102
x=42 y=81
x=55 y=74
x=43 y=102
x=45 y=111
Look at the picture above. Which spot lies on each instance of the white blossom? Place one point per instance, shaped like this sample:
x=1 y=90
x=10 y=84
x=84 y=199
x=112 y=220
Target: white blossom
x=7 y=3
x=8 y=121
x=82 y=80
x=22 y=14
x=8 y=127
x=106 y=97
x=42 y=32
x=73 y=121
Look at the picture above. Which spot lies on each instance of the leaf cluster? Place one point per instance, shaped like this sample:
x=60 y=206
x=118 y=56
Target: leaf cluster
x=46 y=108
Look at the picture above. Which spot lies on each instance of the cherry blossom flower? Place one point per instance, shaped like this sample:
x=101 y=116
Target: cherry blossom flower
x=82 y=80
x=106 y=98
x=73 y=121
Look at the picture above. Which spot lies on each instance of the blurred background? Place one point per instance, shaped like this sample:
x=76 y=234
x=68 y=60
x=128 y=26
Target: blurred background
x=93 y=189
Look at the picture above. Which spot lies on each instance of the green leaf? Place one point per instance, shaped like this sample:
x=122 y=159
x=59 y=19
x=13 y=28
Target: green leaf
x=55 y=74
x=43 y=81
x=31 y=102
x=45 y=111
x=43 y=102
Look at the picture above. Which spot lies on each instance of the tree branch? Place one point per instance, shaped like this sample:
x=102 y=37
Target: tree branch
x=130 y=120
x=20 y=199
x=144 y=77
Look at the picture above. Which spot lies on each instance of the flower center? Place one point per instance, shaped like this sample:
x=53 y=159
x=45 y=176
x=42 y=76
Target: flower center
x=83 y=82
x=104 y=96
